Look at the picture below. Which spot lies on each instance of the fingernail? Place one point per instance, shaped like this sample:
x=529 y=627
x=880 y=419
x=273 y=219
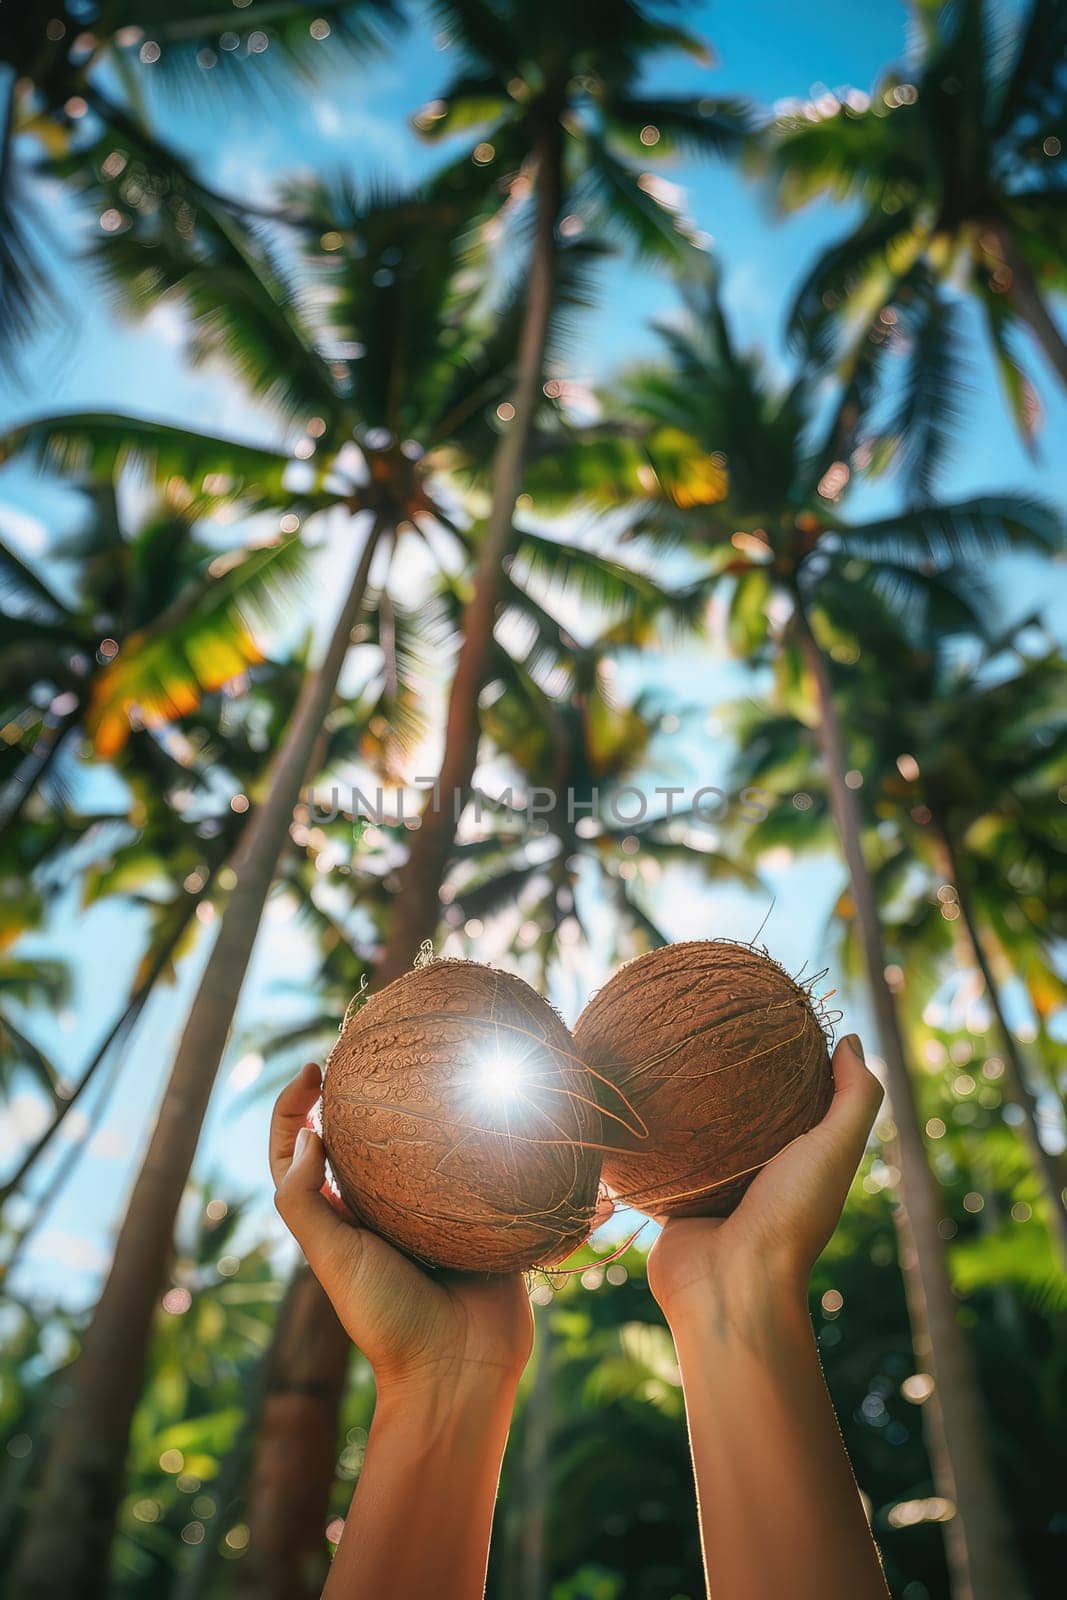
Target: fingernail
x=301 y=1143
x=853 y=1042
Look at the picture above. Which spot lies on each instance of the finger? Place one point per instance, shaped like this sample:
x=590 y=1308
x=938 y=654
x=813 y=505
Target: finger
x=290 y=1114
x=326 y=1240
x=333 y=1196
x=857 y=1096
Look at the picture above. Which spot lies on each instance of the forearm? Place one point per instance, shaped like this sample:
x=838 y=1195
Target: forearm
x=422 y=1512
x=780 y=1513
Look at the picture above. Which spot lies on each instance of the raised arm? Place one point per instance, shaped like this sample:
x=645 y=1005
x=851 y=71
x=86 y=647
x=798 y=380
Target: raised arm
x=447 y=1354
x=780 y=1514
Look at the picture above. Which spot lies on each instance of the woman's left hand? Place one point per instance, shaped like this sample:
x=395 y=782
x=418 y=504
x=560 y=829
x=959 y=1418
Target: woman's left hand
x=415 y=1329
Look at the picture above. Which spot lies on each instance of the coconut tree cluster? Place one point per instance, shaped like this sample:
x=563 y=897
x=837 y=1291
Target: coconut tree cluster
x=432 y=567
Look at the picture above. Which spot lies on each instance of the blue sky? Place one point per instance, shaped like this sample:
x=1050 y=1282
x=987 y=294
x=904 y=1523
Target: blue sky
x=357 y=120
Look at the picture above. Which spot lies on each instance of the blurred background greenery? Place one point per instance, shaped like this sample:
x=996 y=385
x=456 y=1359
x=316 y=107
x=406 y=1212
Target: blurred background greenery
x=348 y=441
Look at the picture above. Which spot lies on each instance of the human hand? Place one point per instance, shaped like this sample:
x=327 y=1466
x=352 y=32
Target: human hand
x=415 y=1329
x=769 y=1244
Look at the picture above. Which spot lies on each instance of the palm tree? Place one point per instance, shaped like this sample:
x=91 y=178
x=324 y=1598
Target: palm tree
x=297 y=1443
x=540 y=73
x=581 y=747
x=718 y=459
x=200 y=1398
x=425 y=373
x=957 y=163
x=25 y=984
x=160 y=619
x=964 y=810
x=57 y=69
x=415 y=391
x=110 y=1369
x=409 y=320
x=978 y=831
x=167 y=856
x=555 y=93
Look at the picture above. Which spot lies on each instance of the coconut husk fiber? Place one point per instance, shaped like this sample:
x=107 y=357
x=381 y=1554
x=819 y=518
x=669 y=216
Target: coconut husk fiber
x=459 y=1122
x=713 y=1059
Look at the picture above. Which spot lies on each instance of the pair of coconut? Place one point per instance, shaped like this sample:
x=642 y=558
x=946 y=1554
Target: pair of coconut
x=464 y=1122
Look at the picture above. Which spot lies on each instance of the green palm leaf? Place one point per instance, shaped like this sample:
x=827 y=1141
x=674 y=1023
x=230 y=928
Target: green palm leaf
x=923 y=426
x=626 y=206
x=100 y=445
x=984 y=525
x=694 y=127
x=201 y=642
x=277 y=44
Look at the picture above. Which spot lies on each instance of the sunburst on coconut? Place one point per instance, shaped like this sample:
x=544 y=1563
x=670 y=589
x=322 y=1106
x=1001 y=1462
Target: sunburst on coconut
x=717 y=1058
x=460 y=1123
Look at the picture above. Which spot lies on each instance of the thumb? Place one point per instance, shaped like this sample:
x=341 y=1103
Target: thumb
x=857 y=1096
x=329 y=1243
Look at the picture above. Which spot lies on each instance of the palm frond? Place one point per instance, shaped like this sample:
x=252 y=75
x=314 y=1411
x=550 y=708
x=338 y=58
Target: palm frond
x=476 y=29
x=497 y=893
x=1004 y=332
x=959 y=532
x=637 y=208
x=850 y=154
x=101 y=445
x=852 y=280
x=26 y=286
x=38 y=606
x=596 y=579
x=1021 y=1261
x=696 y=127
x=19 y=1052
x=924 y=424
x=1033 y=91
x=468 y=102
x=199 y=644
x=206 y=253
x=279 y=45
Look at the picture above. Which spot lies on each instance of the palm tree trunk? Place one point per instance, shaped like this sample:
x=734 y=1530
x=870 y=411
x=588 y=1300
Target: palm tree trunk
x=83 y=1479
x=981 y=1560
x=417 y=906
x=1018 y=1090
x=1028 y=301
x=296 y=1451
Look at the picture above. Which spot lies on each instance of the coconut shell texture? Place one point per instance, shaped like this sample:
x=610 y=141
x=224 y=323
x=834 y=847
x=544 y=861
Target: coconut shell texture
x=720 y=1055
x=460 y=1123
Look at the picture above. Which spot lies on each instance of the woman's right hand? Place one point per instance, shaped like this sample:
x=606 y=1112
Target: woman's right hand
x=779 y=1513
x=787 y=1214
x=413 y=1328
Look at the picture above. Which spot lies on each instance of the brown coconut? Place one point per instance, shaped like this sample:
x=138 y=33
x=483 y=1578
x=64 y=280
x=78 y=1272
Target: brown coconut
x=460 y=1123
x=715 y=1059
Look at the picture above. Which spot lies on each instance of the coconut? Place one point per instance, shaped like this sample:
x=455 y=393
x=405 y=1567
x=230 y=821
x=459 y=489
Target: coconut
x=459 y=1122
x=712 y=1059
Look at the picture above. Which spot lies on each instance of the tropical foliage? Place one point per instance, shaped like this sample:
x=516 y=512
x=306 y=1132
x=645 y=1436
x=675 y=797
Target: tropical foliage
x=239 y=659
